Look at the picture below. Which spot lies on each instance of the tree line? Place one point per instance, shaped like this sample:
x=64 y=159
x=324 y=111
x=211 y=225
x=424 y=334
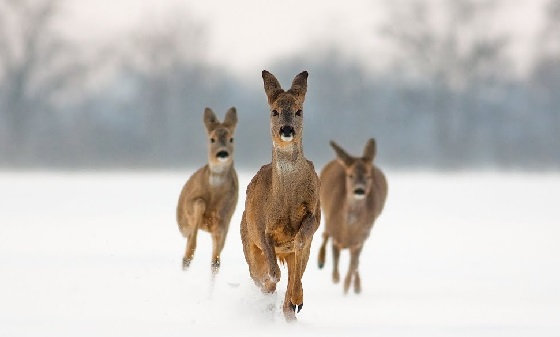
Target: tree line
x=450 y=100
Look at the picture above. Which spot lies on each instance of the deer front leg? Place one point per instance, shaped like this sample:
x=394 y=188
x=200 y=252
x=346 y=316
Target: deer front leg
x=354 y=261
x=289 y=308
x=309 y=225
x=198 y=209
x=218 y=241
x=269 y=251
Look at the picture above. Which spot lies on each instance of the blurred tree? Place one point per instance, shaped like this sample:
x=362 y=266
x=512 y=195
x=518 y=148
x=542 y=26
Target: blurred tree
x=449 y=48
x=550 y=36
x=36 y=66
x=546 y=77
x=165 y=64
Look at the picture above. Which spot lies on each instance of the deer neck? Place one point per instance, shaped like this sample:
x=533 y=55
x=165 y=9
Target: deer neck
x=217 y=173
x=287 y=164
x=354 y=208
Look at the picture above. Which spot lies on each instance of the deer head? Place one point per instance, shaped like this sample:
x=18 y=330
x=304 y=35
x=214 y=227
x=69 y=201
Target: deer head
x=286 y=109
x=359 y=171
x=220 y=137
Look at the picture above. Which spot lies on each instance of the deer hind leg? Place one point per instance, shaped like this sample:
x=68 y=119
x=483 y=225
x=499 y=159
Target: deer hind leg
x=218 y=241
x=322 y=251
x=199 y=206
x=353 y=268
x=357 y=283
x=336 y=256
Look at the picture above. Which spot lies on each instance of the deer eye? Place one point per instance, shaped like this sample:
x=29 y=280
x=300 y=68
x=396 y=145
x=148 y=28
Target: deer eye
x=213 y=140
x=298 y=113
x=274 y=113
x=231 y=140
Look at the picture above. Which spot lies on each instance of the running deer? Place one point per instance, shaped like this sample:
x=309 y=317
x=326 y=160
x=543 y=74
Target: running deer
x=209 y=197
x=353 y=193
x=282 y=210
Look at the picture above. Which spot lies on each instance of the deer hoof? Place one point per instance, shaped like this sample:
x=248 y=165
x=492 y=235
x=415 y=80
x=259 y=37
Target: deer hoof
x=290 y=311
x=335 y=277
x=186 y=263
x=215 y=266
x=268 y=287
x=293 y=306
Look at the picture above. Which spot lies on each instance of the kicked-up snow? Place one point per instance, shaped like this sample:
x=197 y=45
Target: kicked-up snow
x=99 y=254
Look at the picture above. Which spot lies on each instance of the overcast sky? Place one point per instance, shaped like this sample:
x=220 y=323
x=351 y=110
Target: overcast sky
x=247 y=34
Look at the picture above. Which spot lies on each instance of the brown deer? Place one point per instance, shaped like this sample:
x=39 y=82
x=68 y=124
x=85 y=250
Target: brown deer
x=282 y=210
x=353 y=193
x=209 y=197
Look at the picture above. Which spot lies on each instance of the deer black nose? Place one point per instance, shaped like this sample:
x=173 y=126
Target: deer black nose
x=287 y=131
x=359 y=191
x=222 y=154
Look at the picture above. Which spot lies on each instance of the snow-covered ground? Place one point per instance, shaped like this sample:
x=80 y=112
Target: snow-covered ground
x=453 y=255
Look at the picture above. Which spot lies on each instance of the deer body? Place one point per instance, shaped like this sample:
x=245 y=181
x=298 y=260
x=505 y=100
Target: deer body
x=353 y=194
x=282 y=210
x=208 y=199
x=218 y=191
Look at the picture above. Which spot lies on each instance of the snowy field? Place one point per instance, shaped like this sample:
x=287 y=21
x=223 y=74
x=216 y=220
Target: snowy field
x=453 y=255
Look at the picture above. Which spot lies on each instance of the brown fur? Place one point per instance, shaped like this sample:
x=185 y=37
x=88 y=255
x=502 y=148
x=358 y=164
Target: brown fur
x=209 y=197
x=282 y=210
x=349 y=218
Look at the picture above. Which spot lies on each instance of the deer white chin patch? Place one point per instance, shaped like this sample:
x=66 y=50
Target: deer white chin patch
x=286 y=138
x=359 y=196
x=223 y=159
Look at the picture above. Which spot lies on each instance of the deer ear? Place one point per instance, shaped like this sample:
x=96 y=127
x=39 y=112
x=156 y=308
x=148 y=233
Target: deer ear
x=370 y=150
x=230 y=120
x=343 y=157
x=299 y=85
x=210 y=120
x=271 y=86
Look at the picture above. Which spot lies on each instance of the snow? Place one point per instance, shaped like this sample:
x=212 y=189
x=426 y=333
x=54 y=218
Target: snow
x=99 y=254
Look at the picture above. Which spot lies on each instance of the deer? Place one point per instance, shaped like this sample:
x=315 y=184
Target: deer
x=209 y=197
x=353 y=193
x=282 y=206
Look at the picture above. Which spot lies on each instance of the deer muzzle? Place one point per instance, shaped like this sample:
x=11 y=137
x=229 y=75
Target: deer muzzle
x=287 y=133
x=222 y=155
x=359 y=193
